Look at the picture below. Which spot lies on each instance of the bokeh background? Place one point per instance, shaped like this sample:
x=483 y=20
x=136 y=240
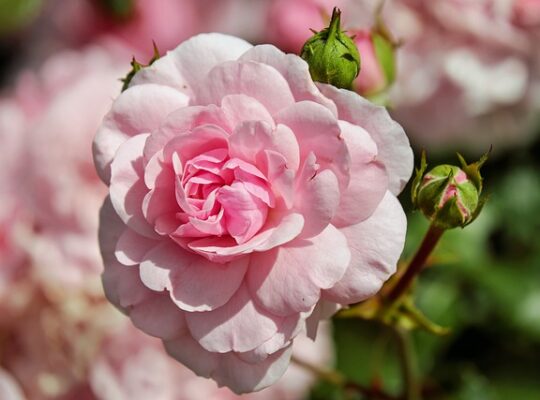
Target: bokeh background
x=467 y=77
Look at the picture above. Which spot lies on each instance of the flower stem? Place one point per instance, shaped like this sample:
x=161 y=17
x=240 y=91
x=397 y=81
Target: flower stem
x=338 y=379
x=416 y=265
x=408 y=365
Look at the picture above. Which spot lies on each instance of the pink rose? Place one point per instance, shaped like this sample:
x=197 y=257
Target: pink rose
x=241 y=195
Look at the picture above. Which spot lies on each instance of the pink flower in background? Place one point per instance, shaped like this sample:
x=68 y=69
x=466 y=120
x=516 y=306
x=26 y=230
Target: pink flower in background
x=163 y=21
x=289 y=22
x=372 y=77
x=63 y=191
x=467 y=72
x=240 y=196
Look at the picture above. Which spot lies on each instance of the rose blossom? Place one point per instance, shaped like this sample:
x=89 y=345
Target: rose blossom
x=240 y=197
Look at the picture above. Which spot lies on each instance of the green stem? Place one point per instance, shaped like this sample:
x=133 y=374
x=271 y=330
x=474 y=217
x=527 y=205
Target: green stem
x=416 y=265
x=407 y=359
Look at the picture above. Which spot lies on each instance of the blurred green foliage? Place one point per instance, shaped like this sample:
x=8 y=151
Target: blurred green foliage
x=484 y=283
x=16 y=14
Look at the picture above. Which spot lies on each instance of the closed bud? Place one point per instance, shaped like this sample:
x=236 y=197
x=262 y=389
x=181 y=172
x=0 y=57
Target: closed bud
x=449 y=196
x=332 y=55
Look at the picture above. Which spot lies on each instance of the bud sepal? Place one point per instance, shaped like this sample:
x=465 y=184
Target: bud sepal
x=331 y=55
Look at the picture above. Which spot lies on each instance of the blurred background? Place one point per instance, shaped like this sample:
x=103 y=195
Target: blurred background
x=459 y=75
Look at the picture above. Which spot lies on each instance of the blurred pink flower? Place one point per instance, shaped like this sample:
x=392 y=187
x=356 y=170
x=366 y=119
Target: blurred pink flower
x=371 y=78
x=289 y=22
x=467 y=72
x=240 y=195
x=64 y=103
x=166 y=22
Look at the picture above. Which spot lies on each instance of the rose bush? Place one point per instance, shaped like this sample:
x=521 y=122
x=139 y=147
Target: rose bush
x=242 y=197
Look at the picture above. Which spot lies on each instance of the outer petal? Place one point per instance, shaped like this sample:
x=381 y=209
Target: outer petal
x=229 y=369
x=376 y=245
x=195 y=283
x=140 y=109
x=195 y=57
x=240 y=325
x=9 y=389
x=289 y=279
x=242 y=377
x=132 y=247
x=245 y=78
x=127 y=188
x=368 y=180
x=294 y=70
x=151 y=312
x=394 y=149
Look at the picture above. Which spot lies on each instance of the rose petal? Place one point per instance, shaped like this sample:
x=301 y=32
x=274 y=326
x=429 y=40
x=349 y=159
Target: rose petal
x=140 y=109
x=245 y=78
x=376 y=245
x=394 y=149
x=368 y=182
x=289 y=279
x=127 y=188
x=240 y=325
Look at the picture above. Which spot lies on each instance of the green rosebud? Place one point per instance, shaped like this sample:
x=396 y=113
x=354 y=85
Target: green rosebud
x=449 y=196
x=332 y=55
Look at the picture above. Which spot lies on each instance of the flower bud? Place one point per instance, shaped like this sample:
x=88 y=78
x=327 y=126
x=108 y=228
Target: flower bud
x=378 y=62
x=449 y=196
x=332 y=55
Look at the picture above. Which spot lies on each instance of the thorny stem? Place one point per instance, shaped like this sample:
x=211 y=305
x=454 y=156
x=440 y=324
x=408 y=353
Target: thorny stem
x=338 y=379
x=416 y=265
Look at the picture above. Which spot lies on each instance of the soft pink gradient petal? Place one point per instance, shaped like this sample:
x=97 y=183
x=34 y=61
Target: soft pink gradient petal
x=376 y=245
x=196 y=57
x=240 y=325
x=294 y=70
x=140 y=109
x=132 y=247
x=239 y=108
x=289 y=279
x=317 y=197
x=229 y=369
x=151 y=312
x=250 y=138
x=317 y=131
x=9 y=389
x=279 y=230
x=127 y=188
x=393 y=145
x=245 y=78
x=182 y=121
x=369 y=181
x=195 y=284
